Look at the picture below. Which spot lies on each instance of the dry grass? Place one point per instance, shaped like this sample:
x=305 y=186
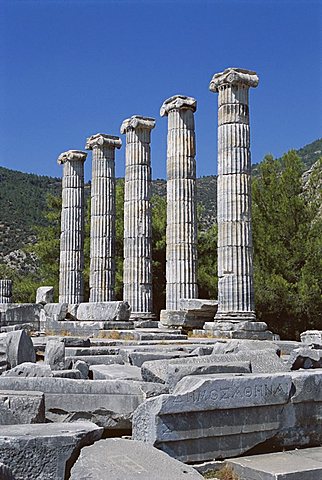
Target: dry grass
x=226 y=473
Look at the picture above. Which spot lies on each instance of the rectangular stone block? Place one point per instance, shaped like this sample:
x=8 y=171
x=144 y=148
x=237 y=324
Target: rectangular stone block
x=108 y=403
x=44 y=451
x=21 y=407
x=303 y=464
x=214 y=416
x=103 y=311
x=20 y=313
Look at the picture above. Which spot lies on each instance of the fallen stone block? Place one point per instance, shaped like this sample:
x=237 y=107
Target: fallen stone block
x=45 y=451
x=29 y=369
x=138 y=358
x=82 y=367
x=204 y=350
x=171 y=372
x=115 y=372
x=208 y=418
x=312 y=337
x=108 y=403
x=21 y=407
x=176 y=372
x=265 y=361
x=55 y=354
x=117 y=458
x=305 y=464
x=181 y=319
x=70 y=373
x=304 y=357
x=103 y=311
x=98 y=359
x=160 y=335
x=28 y=327
x=99 y=350
x=45 y=295
x=56 y=311
x=20 y=348
x=145 y=323
x=201 y=307
x=20 y=313
x=73 y=327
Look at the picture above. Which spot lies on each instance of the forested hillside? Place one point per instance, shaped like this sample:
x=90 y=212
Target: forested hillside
x=23 y=198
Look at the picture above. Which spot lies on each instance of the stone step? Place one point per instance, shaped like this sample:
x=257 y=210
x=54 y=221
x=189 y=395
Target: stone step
x=305 y=464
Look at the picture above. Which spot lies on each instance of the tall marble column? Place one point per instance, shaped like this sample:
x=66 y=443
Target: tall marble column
x=181 y=236
x=5 y=291
x=102 y=246
x=235 y=256
x=71 y=285
x=137 y=272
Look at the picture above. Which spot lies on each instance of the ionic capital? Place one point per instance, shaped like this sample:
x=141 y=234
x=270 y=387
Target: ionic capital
x=137 y=121
x=233 y=76
x=178 y=102
x=101 y=140
x=71 y=155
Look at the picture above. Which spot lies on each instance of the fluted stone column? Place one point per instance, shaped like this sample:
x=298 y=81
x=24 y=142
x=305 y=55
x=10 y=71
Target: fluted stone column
x=5 y=291
x=181 y=236
x=137 y=271
x=235 y=255
x=102 y=246
x=72 y=227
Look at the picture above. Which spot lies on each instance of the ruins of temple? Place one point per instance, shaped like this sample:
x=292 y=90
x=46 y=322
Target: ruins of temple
x=105 y=389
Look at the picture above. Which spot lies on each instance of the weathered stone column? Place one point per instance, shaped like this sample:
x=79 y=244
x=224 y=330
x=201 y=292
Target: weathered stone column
x=72 y=227
x=235 y=256
x=137 y=272
x=5 y=291
x=181 y=236
x=102 y=246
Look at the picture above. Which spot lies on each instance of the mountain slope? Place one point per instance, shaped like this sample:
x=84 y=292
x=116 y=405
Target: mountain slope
x=23 y=198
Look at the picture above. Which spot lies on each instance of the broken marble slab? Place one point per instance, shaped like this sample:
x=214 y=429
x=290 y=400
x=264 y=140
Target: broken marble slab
x=176 y=372
x=55 y=354
x=97 y=359
x=70 y=373
x=312 y=337
x=305 y=357
x=265 y=361
x=109 y=403
x=19 y=348
x=56 y=311
x=212 y=417
x=70 y=342
x=115 y=372
x=29 y=369
x=304 y=464
x=171 y=372
x=73 y=327
x=301 y=421
x=103 y=311
x=45 y=451
x=198 y=306
x=45 y=295
x=99 y=350
x=117 y=458
x=138 y=358
x=21 y=407
x=237 y=345
x=20 y=313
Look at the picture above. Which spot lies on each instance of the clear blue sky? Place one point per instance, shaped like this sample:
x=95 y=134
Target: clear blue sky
x=69 y=69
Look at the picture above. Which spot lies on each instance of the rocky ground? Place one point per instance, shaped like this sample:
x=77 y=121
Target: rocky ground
x=154 y=403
